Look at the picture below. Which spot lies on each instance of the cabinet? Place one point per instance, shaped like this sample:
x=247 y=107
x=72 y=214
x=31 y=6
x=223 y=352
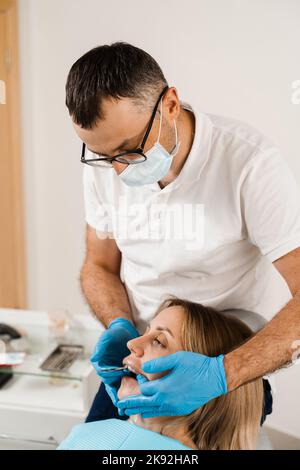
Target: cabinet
x=38 y=408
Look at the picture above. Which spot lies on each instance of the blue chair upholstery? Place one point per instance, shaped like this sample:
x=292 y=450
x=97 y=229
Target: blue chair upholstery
x=115 y=434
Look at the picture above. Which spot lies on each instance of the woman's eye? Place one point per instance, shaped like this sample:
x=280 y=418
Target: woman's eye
x=158 y=342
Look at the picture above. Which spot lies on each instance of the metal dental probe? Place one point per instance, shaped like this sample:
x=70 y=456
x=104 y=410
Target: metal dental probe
x=112 y=368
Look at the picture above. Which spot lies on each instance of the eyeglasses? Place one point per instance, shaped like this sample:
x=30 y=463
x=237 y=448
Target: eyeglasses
x=129 y=157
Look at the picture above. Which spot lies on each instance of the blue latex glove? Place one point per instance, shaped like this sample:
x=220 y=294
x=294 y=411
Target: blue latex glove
x=110 y=350
x=193 y=380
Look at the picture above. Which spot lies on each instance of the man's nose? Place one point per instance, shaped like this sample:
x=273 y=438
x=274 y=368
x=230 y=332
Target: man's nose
x=119 y=167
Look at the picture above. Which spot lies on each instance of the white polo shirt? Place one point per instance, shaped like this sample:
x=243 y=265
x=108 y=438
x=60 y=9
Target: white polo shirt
x=234 y=209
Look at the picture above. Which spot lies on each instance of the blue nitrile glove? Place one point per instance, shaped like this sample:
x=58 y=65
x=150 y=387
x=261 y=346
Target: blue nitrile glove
x=110 y=350
x=193 y=380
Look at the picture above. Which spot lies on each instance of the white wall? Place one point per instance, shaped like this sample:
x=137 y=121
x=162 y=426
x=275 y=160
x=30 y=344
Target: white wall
x=233 y=57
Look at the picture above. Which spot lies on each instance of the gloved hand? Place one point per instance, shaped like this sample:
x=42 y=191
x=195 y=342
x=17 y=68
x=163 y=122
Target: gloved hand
x=194 y=379
x=110 y=350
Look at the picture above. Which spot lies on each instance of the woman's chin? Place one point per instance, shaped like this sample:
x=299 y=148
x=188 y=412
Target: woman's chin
x=129 y=386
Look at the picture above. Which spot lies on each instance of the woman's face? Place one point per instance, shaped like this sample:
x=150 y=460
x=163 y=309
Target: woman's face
x=161 y=338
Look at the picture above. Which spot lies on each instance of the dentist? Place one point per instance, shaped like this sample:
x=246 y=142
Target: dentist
x=145 y=149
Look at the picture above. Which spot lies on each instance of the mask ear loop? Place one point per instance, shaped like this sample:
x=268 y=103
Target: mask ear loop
x=177 y=144
x=176 y=134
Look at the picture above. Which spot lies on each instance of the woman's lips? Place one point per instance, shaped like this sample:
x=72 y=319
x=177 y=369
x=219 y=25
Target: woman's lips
x=133 y=367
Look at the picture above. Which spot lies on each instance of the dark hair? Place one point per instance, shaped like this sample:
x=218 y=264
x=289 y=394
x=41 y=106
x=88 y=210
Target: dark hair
x=119 y=70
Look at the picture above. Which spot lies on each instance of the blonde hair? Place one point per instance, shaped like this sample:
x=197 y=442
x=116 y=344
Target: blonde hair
x=231 y=421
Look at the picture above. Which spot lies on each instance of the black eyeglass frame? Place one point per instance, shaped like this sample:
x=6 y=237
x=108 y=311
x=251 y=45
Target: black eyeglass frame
x=138 y=151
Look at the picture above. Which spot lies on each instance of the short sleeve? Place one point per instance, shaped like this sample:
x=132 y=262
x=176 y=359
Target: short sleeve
x=270 y=200
x=96 y=214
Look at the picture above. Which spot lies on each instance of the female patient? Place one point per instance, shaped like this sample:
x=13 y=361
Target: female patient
x=231 y=421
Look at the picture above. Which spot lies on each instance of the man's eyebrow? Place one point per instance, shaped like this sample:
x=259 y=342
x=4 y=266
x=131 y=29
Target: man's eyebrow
x=162 y=328
x=125 y=142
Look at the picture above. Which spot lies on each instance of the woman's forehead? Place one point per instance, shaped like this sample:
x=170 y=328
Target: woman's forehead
x=170 y=317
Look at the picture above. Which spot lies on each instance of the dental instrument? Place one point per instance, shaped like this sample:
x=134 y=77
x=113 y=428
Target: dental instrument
x=112 y=368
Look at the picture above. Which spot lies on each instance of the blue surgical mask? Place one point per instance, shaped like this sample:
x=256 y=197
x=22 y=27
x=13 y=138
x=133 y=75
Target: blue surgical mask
x=156 y=166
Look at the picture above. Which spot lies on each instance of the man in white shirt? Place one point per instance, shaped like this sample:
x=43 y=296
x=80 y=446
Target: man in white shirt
x=185 y=203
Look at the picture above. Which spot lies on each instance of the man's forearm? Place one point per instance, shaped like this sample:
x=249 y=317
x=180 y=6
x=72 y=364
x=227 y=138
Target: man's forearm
x=105 y=293
x=271 y=348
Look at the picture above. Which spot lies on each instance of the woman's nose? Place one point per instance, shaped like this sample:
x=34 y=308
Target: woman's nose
x=136 y=346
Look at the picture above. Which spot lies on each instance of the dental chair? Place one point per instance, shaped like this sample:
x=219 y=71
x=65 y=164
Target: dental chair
x=255 y=321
